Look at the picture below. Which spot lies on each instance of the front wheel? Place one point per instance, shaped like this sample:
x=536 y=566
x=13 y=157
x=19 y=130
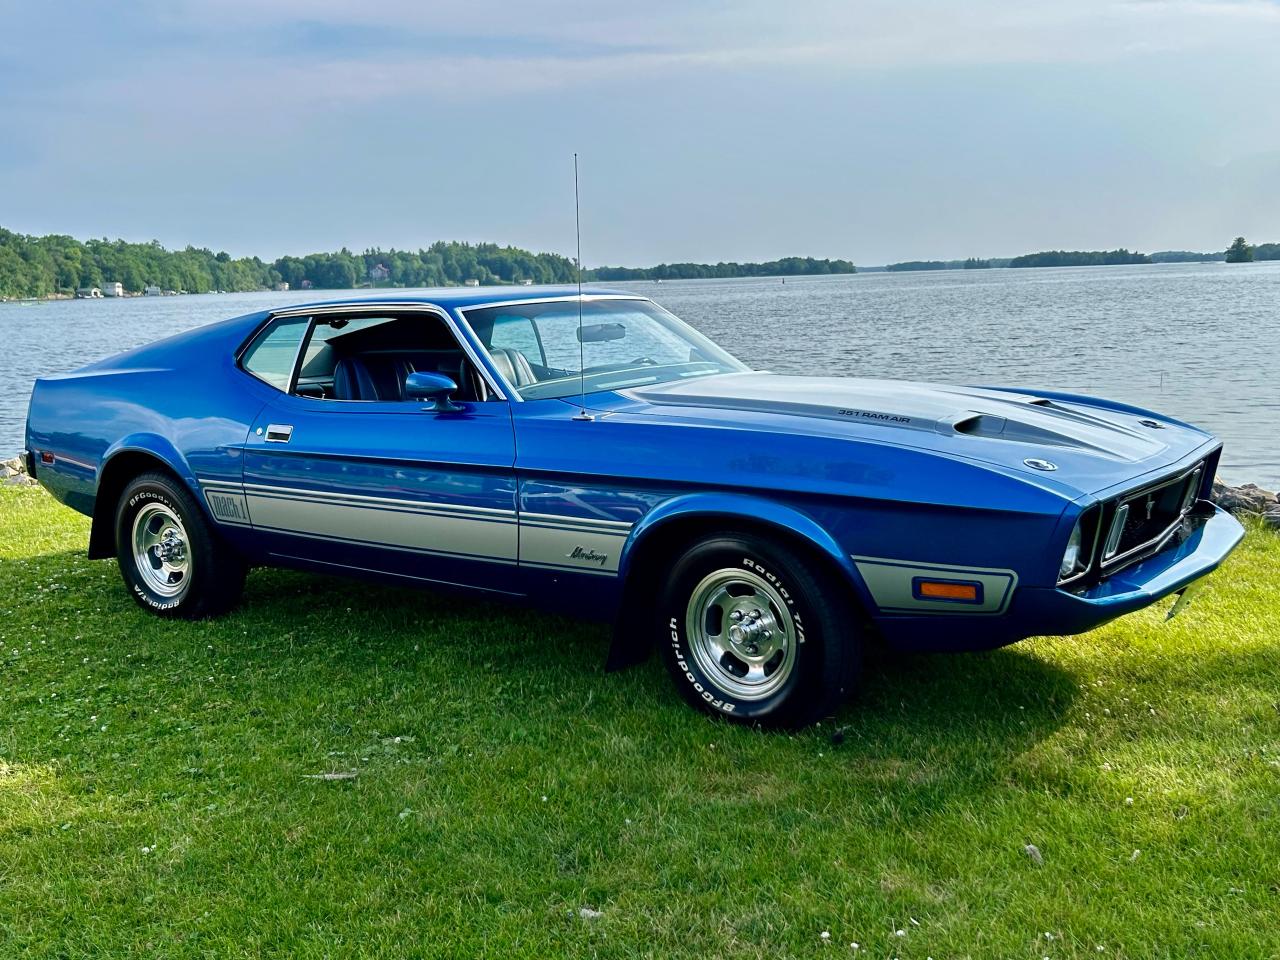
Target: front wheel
x=172 y=561
x=757 y=633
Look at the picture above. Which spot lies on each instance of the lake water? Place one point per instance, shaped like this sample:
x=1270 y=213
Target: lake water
x=1198 y=341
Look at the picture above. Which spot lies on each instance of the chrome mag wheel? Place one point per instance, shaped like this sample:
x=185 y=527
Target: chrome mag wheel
x=741 y=634
x=161 y=551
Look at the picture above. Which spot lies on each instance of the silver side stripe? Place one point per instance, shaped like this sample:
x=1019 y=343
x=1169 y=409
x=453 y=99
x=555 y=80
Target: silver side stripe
x=440 y=531
x=366 y=542
x=483 y=514
x=328 y=496
x=892 y=584
x=585 y=550
x=586 y=523
x=580 y=544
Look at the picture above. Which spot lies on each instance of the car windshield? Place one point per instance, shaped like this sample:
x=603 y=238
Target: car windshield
x=541 y=347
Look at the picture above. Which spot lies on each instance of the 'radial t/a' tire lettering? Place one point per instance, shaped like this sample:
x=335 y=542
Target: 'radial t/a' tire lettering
x=755 y=632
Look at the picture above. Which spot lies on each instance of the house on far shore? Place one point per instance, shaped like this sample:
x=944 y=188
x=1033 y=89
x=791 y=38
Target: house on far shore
x=379 y=273
x=526 y=283
x=472 y=283
x=151 y=290
x=88 y=293
x=113 y=288
x=282 y=286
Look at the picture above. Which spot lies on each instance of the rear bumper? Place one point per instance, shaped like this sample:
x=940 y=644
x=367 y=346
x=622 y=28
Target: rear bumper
x=1210 y=536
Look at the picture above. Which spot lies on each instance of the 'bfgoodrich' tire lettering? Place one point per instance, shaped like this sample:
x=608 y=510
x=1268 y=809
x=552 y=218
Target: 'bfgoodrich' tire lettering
x=216 y=573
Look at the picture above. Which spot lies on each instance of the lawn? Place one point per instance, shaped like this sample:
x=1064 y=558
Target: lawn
x=158 y=790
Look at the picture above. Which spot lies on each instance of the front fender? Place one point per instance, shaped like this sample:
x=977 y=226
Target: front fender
x=742 y=507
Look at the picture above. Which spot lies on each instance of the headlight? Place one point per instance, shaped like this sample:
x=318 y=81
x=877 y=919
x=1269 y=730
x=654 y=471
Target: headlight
x=1071 y=559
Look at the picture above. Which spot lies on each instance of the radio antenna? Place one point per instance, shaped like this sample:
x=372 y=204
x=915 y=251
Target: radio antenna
x=582 y=373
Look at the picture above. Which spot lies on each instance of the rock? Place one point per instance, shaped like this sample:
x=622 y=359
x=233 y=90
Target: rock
x=13 y=472
x=1246 y=498
x=1271 y=518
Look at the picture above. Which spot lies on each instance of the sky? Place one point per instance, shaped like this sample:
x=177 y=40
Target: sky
x=870 y=130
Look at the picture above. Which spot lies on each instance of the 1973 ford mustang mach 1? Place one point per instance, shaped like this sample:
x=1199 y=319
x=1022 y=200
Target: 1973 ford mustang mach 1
x=594 y=454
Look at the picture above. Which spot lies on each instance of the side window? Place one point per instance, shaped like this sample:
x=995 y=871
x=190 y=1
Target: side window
x=517 y=333
x=271 y=356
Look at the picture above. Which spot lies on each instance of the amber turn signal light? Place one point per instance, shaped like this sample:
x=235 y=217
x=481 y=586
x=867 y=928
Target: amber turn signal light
x=948 y=590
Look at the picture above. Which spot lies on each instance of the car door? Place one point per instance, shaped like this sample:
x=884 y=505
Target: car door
x=389 y=487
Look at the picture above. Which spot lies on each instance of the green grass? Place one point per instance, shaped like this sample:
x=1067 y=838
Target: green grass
x=155 y=800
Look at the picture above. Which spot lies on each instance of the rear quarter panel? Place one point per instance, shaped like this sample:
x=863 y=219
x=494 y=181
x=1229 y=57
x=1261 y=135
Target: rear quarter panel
x=181 y=400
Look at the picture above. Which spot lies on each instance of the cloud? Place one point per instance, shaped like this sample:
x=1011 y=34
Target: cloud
x=253 y=124
x=324 y=53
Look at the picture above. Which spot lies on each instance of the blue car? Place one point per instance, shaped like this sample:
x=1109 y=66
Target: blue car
x=593 y=454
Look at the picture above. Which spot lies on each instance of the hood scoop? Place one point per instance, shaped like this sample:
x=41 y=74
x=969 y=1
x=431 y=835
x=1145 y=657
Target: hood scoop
x=1004 y=428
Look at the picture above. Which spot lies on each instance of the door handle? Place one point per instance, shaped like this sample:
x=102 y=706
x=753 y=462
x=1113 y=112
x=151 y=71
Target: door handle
x=279 y=432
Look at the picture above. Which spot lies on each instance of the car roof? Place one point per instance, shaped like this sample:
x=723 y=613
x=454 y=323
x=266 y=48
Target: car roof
x=454 y=298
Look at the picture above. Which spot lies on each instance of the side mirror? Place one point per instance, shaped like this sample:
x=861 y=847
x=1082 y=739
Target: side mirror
x=435 y=387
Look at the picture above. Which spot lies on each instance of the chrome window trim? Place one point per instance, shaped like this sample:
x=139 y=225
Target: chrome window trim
x=520 y=301
x=1158 y=541
x=472 y=350
x=261 y=331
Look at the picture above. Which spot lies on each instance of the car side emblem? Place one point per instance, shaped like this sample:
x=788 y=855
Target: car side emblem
x=1035 y=463
x=587 y=555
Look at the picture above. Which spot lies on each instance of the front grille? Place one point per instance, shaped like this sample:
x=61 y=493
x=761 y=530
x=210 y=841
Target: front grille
x=1140 y=523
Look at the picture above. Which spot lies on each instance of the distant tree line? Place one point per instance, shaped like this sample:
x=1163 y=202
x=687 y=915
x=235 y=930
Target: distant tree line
x=1079 y=258
x=39 y=266
x=786 y=267
x=972 y=263
x=1242 y=251
x=1185 y=256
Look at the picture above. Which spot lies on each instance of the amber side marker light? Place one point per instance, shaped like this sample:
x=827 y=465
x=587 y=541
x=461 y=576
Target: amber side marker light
x=956 y=591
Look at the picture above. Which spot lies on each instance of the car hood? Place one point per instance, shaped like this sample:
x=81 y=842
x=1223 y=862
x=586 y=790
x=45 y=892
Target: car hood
x=1099 y=441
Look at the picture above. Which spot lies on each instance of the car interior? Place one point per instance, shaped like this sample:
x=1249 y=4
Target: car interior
x=367 y=358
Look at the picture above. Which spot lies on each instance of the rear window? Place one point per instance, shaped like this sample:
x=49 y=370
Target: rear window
x=271 y=356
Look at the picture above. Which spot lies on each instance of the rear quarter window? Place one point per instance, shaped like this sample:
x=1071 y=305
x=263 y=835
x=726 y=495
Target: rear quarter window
x=272 y=354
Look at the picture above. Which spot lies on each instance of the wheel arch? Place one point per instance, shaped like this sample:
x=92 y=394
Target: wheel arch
x=124 y=461
x=682 y=521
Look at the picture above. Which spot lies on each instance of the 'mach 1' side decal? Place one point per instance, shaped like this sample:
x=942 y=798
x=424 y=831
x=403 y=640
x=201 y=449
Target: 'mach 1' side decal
x=229 y=507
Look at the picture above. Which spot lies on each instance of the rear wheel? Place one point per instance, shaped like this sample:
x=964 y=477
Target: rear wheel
x=755 y=632
x=172 y=561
